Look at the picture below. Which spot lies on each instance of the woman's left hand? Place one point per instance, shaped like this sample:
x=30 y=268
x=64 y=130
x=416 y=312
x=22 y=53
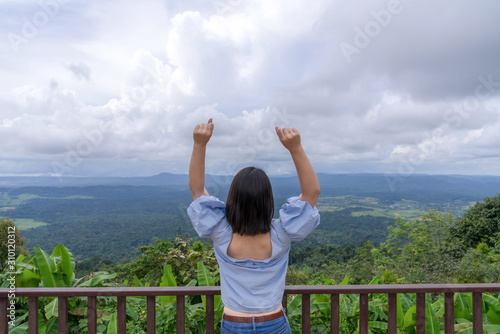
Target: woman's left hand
x=202 y=132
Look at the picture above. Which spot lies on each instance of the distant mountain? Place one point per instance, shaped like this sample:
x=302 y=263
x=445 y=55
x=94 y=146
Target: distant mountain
x=67 y=181
x=115 y=215
x=473 y=186
x=417 y=186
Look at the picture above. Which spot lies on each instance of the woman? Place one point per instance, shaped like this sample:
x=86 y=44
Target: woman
x=251 y=247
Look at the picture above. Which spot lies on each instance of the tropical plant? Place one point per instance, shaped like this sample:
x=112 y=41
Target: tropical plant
x=415 y=249
x=182 y=253
x=55 y=270
x=406 y=312
x=10 y=242
x=480 y=223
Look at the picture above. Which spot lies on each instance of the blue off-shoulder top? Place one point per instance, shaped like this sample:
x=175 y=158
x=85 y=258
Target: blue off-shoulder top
x=253 y=286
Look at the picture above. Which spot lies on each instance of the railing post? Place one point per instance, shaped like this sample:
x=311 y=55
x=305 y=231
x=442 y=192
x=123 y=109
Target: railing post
x=335 y=314
x=121 y=316
x=210 y=314
x=62 y=314
x=284 y=302
x=363 y=313
x=151 y=315
x=4 y=323
x=32 y=315
x=420 y=313
x=306 y=313
x=33 y=295
x=449 y=310
x=477 y=313
x=181 y=316
x=92 y=314
x=392 y=301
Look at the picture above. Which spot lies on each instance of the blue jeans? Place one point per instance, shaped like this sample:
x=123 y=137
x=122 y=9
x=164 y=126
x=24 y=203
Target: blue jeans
x=276 y=326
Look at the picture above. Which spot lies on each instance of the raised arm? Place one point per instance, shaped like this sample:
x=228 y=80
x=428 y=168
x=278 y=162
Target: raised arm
x=309 y=185
x=201 y=135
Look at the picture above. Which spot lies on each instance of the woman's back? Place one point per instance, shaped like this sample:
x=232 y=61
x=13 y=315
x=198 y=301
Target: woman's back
x=257 y=247
x=251 y=247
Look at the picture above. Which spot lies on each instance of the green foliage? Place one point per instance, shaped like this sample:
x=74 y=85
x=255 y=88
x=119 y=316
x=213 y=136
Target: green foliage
x=420 y=250
x=378 y=312
x=10 y=240
x=478 y=265
x=93 y=264
x=55 y=270
x=167 y=280
x=434 y=248
x=415 y=249
x=343 y=227
x=166 y=310
x=131 y=217
x=362 y=266
x=181 y=253
x=479 y=224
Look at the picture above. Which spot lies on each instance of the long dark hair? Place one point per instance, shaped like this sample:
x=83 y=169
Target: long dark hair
x=250 y=203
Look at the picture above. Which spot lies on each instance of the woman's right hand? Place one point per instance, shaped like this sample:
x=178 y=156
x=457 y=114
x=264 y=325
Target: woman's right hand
x=202 y=132
x=289 y=137
x=309 y=185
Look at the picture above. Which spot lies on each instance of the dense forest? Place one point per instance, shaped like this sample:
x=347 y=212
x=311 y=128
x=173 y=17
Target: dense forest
x=434 y=248
x=114 y=219
x=139 y=235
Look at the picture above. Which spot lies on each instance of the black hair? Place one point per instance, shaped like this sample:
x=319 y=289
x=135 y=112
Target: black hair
x=250 y=203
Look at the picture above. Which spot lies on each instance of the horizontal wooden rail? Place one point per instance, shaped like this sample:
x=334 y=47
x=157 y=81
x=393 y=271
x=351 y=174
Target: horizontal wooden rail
x=215 y=290
x=305 y=290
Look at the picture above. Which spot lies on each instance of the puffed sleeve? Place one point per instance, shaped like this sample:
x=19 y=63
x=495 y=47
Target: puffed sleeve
x=298 y=218
x=205 y=213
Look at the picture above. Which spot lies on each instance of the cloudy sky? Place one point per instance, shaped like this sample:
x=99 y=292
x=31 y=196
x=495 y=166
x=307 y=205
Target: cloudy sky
x=115 y=88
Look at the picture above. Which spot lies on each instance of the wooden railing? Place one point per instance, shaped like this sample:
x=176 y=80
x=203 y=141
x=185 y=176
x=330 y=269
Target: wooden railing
x=305 y=290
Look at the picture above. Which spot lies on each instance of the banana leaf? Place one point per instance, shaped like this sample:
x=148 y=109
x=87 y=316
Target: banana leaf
x=294 y=306
x=462 y=307
x=399 y=307
x=112 y=326
x=492 y=309
x=410 y=318
x=167 y=280
x=21 y=329
x=29 y=279
x=96 y=280
x=378 y=324
x=66 y=263
x=50 y=277
x=51 y=327
x=51 y=308
x=131 y=311
x=431 y=321
x=206 y=278
x=486 y=327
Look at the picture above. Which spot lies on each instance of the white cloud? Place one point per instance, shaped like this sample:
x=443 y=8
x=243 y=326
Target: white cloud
x=116 y=87
x=80 y=70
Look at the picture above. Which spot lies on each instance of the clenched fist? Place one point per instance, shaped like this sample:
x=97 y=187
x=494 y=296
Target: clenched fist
x=202 y=132
x=289 y=137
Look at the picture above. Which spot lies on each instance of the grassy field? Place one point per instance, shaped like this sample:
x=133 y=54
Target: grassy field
x=26 y=223
x=371 y=213
x=10 y=203
x=409 y=214
x=7 y=201
x=370 y=206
